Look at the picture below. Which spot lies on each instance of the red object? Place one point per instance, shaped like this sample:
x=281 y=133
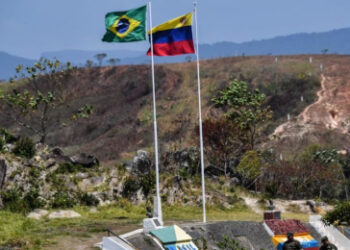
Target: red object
x=282 y=227
x=311 y=248
x=272 y=215
x=172 y=49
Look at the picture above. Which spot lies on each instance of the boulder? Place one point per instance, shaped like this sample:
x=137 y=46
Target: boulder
x=142 y=162
x=50 y=163
x=63 y=214
x=38 y=214
x=84 y=160
x=3 y=170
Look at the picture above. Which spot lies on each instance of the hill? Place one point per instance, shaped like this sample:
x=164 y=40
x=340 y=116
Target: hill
x=121 y=96
x=8 y=63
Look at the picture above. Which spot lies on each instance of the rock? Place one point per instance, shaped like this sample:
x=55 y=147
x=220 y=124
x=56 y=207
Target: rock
x=82 y=176
x=212 y=170
x=235 y=181
x=63 y=214
x=57 y=152
x=50 y=163
x=84 y=160
x=93 y=210
x=3 y=170
x=38 y=214
x=37 y=158
x=142 y=162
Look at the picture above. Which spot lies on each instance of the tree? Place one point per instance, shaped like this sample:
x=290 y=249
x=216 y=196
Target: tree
x=188 y=58
x=246 y=109
x=89 y=63
x=113 y=61
x=324 y=51
x=40 y=92
x=100 y=57
x=221 y=140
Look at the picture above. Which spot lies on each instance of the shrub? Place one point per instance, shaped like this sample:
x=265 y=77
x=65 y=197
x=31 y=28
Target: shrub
x=341 y=213
x=131 y=185
x=88 y=200
x=14 y=202
x=32 y=200
x=62 y=200
x=69 y=167
x=229 y=244
x=147 y=183
x=24 y=147
x=2 y=144
x=7 y=136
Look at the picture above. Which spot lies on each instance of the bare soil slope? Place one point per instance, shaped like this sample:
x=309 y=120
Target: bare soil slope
x=327 y=120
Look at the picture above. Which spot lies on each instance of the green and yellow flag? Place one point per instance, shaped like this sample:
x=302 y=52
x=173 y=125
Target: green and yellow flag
x=126 y=26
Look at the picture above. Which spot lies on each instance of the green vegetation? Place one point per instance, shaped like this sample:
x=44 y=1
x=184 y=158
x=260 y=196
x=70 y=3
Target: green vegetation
x=31 y=105
x=14 y=200
x=340 y=214
x=246 y=109
x=229 y=244
x=24 y=147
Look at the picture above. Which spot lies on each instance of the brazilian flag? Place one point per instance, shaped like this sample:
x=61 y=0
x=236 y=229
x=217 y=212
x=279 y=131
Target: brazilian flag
x=126 y=26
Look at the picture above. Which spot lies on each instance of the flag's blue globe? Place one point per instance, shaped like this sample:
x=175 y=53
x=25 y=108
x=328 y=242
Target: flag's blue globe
x=123 y=25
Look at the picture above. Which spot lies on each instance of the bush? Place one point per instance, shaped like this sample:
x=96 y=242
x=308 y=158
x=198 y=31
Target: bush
x=147 y=183
x=32 y=200
x=229 y=244
x=69 y=167
x=7 y=136
x=341 y=213
x=88 y=200
x=131 y=185
x=24 y=147
x=62 y=200
x=2 y=144
x=12 y=201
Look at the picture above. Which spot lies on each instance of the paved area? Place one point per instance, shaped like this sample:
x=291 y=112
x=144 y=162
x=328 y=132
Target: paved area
x=250 y=235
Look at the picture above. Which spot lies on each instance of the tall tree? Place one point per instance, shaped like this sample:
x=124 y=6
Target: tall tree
x=100 y=57
x=113 y=61
x=246 y=109
x=36 y=93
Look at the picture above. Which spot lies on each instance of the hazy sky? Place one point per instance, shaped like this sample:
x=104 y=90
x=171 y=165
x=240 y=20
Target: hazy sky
x=30 y=27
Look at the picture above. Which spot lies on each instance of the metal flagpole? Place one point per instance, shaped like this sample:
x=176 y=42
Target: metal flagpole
x=158 y=203
x=200 y=116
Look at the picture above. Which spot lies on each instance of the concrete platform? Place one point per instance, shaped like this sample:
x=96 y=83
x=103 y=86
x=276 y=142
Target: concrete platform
x=250 y=235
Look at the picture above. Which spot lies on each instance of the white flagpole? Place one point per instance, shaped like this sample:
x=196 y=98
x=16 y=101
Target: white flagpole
x=200 y=116
x=158 y=203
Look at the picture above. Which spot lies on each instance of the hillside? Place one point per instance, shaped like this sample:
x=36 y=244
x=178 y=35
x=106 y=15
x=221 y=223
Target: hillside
x=121 y=96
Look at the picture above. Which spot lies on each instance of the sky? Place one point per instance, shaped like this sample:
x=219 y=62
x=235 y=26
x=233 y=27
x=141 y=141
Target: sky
x=30 y=27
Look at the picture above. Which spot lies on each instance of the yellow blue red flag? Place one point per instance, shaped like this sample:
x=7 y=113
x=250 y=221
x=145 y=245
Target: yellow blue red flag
x=173 y=37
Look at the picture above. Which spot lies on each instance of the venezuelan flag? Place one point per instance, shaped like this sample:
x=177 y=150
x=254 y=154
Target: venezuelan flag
x=173 y=37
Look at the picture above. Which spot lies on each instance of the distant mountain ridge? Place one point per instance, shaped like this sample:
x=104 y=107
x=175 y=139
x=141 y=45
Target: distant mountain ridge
x=8 y=63
x=335 y=42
